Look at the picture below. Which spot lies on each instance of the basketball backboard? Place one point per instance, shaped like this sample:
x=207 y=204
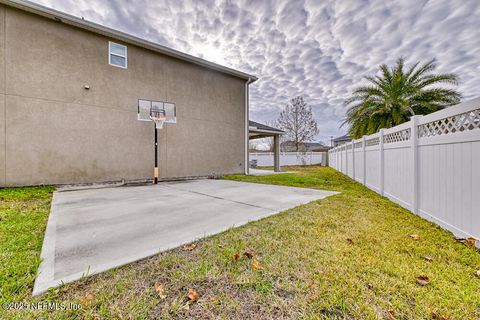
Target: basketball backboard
x=150 y=108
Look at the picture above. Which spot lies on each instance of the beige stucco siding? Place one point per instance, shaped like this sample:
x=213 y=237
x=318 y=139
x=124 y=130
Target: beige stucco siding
x=58 y=132
x=2 y=95
x=2 y=139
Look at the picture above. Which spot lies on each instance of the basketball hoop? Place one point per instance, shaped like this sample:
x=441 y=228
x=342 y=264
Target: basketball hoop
x=158 y=116
x=159 y=112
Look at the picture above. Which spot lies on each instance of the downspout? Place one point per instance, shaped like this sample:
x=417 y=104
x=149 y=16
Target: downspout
x=246 y=171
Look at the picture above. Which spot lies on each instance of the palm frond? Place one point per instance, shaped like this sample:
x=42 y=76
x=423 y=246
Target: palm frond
x=397 y=93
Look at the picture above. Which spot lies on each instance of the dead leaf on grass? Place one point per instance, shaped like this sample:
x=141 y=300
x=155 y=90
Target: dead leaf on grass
x=415 y=236
x=159 y=289
x=370 y=286
x=192 y=295
x=427 y=258
x=468 y=241
x=423 y=280
x=248 y=253
x=236 y=256
x=477 y=273
x=436 y=316
x=256 y=265
x=391 y=314
x=88 y=298
x=189 y=246
x=471 y=242
x=350 y=241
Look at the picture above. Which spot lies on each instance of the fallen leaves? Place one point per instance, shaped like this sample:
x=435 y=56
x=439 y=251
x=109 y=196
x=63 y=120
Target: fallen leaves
x=415 y=236
x=159 y=289
x=236 y=256
x=477 y=273
x=423 y=280
x=436 y=316
x=471 y=242
x=350 y=241
x=88 y=298
x=248 y=253
x=189 y=246
x=192 y=295
x=427 y=258
x=391 y=314
x=256 y=265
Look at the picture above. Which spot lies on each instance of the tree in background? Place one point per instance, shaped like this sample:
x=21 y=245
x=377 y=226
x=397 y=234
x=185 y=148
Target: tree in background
x=298 y=122
x=253 y=146
x=395 y=95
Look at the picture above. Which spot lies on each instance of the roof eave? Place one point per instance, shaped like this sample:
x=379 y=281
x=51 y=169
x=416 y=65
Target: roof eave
x=127 y=38
x=256 y=130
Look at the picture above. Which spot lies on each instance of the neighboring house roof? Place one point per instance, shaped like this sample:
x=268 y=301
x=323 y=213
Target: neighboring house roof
x=343 y=138
x=115 y=34
x=256 y=126
x=306 y=144
x=313 y=144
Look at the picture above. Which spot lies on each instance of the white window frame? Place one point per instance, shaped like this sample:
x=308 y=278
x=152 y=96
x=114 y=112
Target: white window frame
x=110 y=53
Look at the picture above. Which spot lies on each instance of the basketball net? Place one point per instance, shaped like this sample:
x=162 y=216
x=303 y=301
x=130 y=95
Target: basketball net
x=158 y=117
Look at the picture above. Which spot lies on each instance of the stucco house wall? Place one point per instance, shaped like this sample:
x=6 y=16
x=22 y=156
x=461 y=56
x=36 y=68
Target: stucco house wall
x=54 y=131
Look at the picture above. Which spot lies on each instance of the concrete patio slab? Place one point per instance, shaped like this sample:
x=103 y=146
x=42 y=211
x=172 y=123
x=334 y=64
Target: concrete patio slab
x=90 y=231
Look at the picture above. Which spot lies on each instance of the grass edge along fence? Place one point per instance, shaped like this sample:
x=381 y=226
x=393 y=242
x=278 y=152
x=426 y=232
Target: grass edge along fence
x=429 y=165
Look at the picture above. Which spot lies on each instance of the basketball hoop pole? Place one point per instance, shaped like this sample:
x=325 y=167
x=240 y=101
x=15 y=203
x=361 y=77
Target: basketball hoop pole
x=155 y=170
x=159 y=113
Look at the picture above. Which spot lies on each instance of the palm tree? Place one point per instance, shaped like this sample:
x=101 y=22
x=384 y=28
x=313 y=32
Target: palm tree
x=394 y=96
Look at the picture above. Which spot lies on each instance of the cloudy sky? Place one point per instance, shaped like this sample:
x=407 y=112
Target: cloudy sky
x=318 y=49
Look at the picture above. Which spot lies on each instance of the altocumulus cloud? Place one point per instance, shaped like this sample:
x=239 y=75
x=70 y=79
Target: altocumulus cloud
x=319 y=49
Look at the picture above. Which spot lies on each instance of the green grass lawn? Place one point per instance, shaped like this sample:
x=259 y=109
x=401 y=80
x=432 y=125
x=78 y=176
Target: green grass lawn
x=348 y=256
x=23 y=218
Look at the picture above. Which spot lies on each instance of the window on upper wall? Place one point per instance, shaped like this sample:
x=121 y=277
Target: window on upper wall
x=117 y=55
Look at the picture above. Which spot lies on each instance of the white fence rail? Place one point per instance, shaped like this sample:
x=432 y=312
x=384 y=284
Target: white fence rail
x=429 y=165
x=265 y=159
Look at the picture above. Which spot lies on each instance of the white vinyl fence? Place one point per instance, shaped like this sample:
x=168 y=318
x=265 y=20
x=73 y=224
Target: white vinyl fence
x=429 y=165
x=265 y=159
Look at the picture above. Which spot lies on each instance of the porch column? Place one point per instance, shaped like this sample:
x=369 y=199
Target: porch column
x=276 y=153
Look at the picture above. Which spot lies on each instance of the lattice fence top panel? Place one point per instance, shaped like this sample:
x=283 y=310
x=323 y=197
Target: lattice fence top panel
x=398 y=136
x=457 y=123
x=349 y=146
x=358 y=144
x=372 y=142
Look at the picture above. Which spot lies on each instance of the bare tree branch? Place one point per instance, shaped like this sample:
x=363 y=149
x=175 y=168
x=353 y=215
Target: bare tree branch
x=298 y=122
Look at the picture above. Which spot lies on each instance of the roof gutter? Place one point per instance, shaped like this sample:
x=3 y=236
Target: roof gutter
x=255 y=130
x=247 y=126
x=115 y=34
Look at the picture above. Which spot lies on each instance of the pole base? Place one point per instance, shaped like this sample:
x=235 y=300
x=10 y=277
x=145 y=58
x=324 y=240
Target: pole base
x=155 y=175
